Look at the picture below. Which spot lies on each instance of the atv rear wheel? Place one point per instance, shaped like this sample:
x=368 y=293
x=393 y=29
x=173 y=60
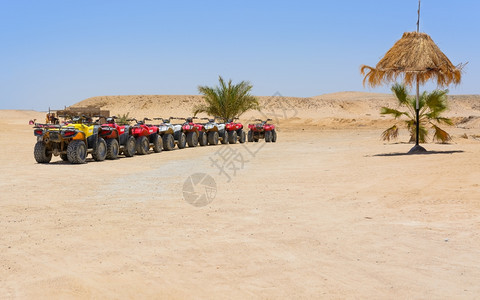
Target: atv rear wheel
x=182 y=141
x=274 y=136
x=213 y=137
x=77 y=152
x=64 y=156
x=168 y=142
x=157 y=143
x=241 y=136
x=143 y=146
x=41 y=153
x=100 y=151
x=232 y=137
x=225 y=137
x=112 y=148
x=250 y=136
x=202 y=138
x=130 y=147
x=192 y=139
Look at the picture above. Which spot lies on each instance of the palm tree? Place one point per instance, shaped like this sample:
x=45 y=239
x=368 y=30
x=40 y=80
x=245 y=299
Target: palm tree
x=227 y=100
x=123 y=120
x=431 y=105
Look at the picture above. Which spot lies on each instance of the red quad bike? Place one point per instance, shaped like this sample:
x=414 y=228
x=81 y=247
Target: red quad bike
x=215 y=132
x=235 y=131
x=262 y=130
x=146 y=136
x=167 y=131
x=119 y=138
x=192 y=131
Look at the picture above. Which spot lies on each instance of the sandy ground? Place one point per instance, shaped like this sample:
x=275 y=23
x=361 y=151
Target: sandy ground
x=322 y=213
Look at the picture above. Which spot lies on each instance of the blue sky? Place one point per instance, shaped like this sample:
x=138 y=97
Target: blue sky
x=56 y=53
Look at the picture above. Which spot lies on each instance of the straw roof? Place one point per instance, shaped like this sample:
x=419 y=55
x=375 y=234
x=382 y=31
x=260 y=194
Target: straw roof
x=414 y=56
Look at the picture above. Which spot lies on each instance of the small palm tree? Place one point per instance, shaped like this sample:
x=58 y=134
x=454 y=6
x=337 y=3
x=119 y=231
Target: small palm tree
x=123 y=119
x=227 y=100
x=432 y=105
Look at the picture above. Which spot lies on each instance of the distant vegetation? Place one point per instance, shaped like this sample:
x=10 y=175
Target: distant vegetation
x=123 y=119
x=227 y=100
x=432 y=105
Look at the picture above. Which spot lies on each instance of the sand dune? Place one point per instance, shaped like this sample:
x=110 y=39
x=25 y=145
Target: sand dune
x=337 y=110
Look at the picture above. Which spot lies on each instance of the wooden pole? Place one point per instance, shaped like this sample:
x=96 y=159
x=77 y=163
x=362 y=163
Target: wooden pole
x=418 y=20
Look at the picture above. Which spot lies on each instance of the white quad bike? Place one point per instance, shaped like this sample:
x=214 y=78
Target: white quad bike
x=215 y=132
x=171 y=134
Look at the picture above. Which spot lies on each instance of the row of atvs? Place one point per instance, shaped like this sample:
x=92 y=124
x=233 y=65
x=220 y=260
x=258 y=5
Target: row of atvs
x=75 y=139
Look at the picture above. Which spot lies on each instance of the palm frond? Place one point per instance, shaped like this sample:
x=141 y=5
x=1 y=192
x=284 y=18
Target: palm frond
x=390 y=133
x=390 y=111
x=437 y=101
x=400 y=92
x=440 y=135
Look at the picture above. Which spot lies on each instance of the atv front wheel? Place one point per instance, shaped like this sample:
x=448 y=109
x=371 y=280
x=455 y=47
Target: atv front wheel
x=112 y=148
x=241 y=136
x=232 y=137
x=157 y=143
x=142 y=145
x=168 y=142
x=130 y=147
x=192 y=139
x=225 y=137
x=213 y=137
x=250 y=136
x=202 y=138
x=274 y=136
x=41 y=153
x=100 y=151
x=77 y=152
x=268 y=136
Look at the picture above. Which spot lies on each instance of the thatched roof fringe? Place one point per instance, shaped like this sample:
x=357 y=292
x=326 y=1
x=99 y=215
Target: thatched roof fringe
x=414 y=57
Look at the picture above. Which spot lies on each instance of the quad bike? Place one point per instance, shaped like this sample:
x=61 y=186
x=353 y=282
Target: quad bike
x=178 y=134
x=262 y=130
x=192 y=131
x=146 y=136
x=235 y=131
x=119 y=139
x=167 y=131
x=72 y=142
x=215 y=132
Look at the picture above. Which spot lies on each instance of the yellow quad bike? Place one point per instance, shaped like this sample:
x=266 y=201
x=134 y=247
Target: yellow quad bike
x=72 y=142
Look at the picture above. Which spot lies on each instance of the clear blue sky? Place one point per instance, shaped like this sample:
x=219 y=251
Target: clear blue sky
x=56 y=53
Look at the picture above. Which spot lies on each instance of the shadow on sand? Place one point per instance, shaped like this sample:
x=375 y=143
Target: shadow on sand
x=418 y=153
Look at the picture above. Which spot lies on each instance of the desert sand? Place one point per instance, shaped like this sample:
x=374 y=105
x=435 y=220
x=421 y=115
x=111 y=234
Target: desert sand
x=329 y=211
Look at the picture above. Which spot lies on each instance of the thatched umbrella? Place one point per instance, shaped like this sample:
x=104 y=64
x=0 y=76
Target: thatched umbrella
x=417 y=59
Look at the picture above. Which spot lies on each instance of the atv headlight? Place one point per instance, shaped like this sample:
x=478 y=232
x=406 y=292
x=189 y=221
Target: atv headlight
x=208 y=126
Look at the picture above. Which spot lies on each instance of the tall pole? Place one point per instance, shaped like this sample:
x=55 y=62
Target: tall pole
x=417 y=148
x=417 y=110
x=418 y=20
